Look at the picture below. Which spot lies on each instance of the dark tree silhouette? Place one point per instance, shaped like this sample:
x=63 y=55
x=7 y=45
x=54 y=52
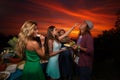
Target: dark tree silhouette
x=107 y=53
x=117 y=23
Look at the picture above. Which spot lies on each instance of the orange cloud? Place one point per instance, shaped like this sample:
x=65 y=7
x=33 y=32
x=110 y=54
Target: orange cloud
x=58 y=13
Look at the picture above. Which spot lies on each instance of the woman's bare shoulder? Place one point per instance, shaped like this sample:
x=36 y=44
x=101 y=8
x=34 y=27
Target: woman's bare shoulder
x=32 y=44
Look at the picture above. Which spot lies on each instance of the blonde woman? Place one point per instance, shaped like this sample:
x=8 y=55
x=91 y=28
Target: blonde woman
x=27 y=45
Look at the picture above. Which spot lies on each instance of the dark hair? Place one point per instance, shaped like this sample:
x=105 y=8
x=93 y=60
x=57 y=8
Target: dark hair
x=87 y=30
x=61 y=30
x=38 y=40
x=46 y=46
x=45 y=43
x=49 y=34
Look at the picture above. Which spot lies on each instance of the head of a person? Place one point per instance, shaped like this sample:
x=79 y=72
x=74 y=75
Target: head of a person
x=52 y=33
x=61 y=32
x=29 y=29
x=86 y=26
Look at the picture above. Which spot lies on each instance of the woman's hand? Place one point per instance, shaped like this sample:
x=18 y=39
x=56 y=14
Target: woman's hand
x=64 y=48
x=76 y=24
x=74 y=46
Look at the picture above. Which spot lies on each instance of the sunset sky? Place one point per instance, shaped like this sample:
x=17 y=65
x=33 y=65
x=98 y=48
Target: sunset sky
x=61 y=13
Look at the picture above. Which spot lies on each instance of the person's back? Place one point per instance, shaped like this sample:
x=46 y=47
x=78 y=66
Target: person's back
x=32 y=69
x=27 y=46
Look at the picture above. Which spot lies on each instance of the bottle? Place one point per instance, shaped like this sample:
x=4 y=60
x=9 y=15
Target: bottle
x=78 y=49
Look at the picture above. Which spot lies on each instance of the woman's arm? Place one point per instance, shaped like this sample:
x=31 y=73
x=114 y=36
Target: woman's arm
x=38 y=49
x=67 y=33
x=50 y=45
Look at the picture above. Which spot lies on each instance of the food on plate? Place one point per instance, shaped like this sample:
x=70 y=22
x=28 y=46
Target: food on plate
x=72 y=43
x=69 y=44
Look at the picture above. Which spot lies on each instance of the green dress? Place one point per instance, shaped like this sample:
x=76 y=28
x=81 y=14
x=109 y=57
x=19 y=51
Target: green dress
x=32 y=69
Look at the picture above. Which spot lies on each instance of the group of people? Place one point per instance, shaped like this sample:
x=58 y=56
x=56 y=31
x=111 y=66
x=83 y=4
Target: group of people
x=37 y=50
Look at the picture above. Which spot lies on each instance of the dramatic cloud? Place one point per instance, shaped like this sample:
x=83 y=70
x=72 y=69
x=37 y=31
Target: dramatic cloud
x=61 y=13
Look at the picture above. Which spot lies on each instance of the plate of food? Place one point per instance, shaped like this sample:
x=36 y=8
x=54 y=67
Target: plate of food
x=4 y=75
x=67 y=45
x=70 y=44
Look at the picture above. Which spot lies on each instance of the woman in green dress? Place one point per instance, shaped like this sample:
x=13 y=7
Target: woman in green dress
x=28 y=46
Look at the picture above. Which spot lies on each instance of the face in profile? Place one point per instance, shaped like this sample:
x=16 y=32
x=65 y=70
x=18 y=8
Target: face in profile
x=55 y=31
x=35 y=32
x=83 y=26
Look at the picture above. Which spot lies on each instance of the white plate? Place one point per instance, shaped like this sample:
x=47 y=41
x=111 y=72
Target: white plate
x=6 y=73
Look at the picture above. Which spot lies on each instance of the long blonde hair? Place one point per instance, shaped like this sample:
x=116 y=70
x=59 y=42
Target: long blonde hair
x=25 y=33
